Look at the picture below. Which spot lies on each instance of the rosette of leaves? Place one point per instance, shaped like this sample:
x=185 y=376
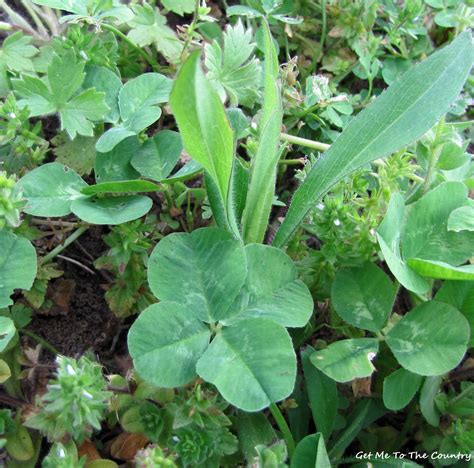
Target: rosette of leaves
x=152 y=457
x=75 y=402
x=223 y=312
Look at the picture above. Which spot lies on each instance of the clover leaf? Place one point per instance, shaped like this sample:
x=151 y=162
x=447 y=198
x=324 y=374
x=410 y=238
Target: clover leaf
x=60 y=92
x=210 y=284
x=137 y=102
x=17 y=265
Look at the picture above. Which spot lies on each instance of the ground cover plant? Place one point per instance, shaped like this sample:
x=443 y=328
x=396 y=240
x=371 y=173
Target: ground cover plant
x=236 y=233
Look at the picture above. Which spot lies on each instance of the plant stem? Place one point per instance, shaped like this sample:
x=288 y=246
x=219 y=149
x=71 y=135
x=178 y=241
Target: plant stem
x=152 y=62
x=40 y=341
x=317 y=145
x=39 y=23
x=58 y=249
x=292 y=162
x=462 y=395
x=434 y=157
x=283 y=426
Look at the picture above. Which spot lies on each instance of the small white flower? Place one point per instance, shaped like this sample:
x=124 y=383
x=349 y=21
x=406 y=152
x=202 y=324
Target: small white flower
x=337 y=222
x=320 y=206
x=372 y=232
x=87 y=395
x=61 y=453
x=70 y=370
x=12 y=115
x=371 y=356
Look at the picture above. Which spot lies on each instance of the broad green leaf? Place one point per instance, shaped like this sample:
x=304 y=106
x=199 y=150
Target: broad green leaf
x=204 y=270
x=138 y=101
x=116 y=164
x=203 y=123
x=16 y=53
x=425 y=234
x=105 y=81
x=7 y=332
x=311 y=453
x=180 y=6
x=58 y=92
x=165 y=342
x=441 y=270
x=347 y=360
x=399 y=116
x=50 y=189
x=252 y=364
x=158 y=156
x=388 y=236
x=190 y=169
x=428 y=392
x=131 y=186
x=399 y=388
x=17 y=265
x=253 y=429
x=264 y=164
x=280 y=297
x=322 y=395
x=233 y=70
x=460 y=294
x=431 y=339
x=78 y=154
x=74 y=6
x=461 y=219
x=114 y=210
x=363 y=296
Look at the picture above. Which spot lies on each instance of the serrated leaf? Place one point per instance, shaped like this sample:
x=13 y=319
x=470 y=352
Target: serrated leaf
x=113 y=210
x=181 y=339
x=45 y=198
x=180 y=6
x=347 y=360
x=18 y=265
x=230 y=358
x=78 y=154
x=57 y=92
x=16 y=53
x=149 y=27
x=232 y=70
x=423 y=345
x=410 y=107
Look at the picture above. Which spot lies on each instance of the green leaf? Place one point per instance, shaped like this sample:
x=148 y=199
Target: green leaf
x=58 y=93
x=17 y=265
x=180 y=6
x=180 y=340
x=388 y=236
x=461 y=219
x=441 y=270
x=399 y=388
x=363 y=296
x=399 y=116
x=248 y=382
x=281 y=296
x=130 y=186
x=45 y=198
x=5 y=372
x=116 y=165
x=425 y=234
x=207 y=264
x=114 y=210
x=107 y=82
x=253 y=429
x=138 y=101
x=322 y=395
x=347 y=360
x=7 y=332
x=74 y=6
x=264 y=164
x=233 y=71
x=423 y=344
x=77 y=154
x=149 y=27
x=460 y=294
x=158 y=156
x=203 y=123
x=311 y=453
x=428 y=392
x=16 y=53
